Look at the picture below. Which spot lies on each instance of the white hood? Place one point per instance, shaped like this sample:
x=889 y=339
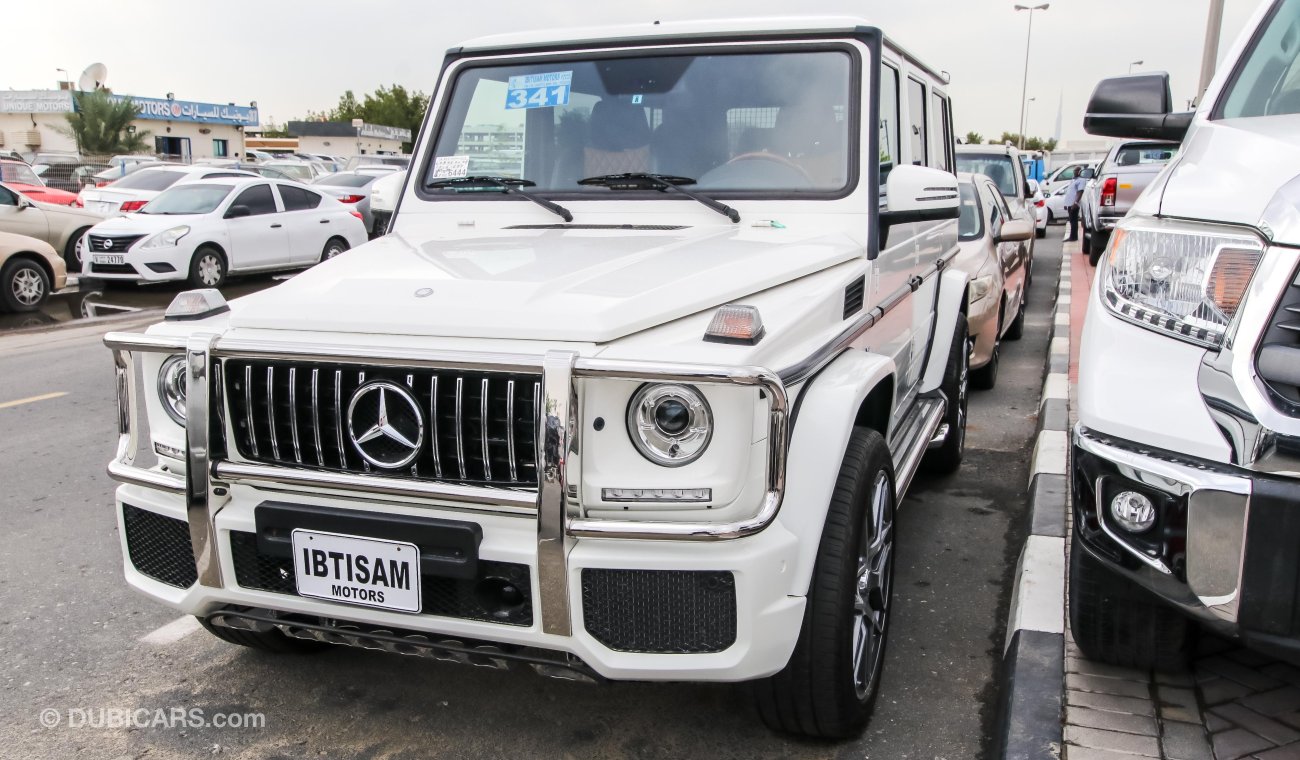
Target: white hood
x=562 y=285
x=1208 y=182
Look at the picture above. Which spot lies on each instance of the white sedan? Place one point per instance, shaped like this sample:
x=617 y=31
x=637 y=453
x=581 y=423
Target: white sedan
x=203 y=231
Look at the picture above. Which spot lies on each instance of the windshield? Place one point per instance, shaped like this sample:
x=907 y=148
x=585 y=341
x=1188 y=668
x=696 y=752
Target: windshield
x=19 y=173
x=188 y=199
x=768 y=122
x=999 y=168
x=1267 y=82
x=969 y=223
x=295 y=171
x=146 y=179
x=346 y=180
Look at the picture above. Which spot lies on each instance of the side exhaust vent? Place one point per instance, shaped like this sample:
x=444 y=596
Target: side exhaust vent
x=853 y=296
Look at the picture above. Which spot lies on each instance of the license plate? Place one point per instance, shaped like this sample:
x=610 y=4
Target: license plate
x=104 y=258
x=367 y=571
x=103 y=207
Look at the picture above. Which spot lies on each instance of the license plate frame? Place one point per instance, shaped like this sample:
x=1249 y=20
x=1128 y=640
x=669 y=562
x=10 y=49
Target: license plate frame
x=107 y=258
x=341 y=570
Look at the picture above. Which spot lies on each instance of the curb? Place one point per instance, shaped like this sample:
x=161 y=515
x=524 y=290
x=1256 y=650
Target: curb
x=1033 y=658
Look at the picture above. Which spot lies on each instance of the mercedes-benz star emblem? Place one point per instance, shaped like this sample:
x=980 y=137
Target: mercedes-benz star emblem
x=385 y=424
x=108 y=244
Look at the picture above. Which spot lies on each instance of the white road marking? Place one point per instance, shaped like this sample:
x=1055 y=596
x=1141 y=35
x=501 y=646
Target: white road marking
x=1038 y=600
x=173 y=631
x=31 y=399
x=1050 y=454
x=1056 y=386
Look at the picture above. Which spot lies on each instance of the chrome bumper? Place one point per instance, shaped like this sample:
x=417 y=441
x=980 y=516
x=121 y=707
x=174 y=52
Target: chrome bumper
x=559 y=516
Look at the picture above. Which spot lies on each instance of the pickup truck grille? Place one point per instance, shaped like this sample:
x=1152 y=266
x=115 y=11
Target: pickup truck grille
x=477 y=428
x=1278 y=361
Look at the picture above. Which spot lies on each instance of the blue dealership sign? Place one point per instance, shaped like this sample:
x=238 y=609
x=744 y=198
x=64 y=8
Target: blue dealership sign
x=187 y=110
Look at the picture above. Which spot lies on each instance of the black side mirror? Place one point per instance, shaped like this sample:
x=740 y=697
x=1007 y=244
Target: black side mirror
x=1088 y=173
x=1139 y=105
x=1029 y=190
x=236 y=212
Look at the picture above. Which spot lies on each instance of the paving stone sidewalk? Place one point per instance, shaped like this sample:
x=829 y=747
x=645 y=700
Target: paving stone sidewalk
x=1231 y=703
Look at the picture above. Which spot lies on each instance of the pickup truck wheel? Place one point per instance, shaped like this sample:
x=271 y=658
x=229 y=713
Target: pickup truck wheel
x=1085 y=245
x=956 y=387
x=1098 y=247
x=269 y=641
x=1116 y=621
x=829 y=687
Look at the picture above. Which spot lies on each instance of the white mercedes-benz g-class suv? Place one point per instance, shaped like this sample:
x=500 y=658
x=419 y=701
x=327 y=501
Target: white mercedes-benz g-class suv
x=662 y=330
x=1186 y=471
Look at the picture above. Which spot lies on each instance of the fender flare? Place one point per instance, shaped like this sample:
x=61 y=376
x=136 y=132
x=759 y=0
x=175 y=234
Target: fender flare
x=951 y=301
x=828 y=405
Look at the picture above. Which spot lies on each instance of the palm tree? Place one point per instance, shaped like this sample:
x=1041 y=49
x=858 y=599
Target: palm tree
x=100 y=124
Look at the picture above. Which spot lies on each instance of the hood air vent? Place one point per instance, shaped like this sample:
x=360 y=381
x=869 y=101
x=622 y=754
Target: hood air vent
x=853 y=296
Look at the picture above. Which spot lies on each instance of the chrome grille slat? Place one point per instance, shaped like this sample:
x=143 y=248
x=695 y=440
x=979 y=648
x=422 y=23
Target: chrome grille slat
x=293 y=413
x=463 y=410
x=510 y=428
x=483 y=425
x=460 y=430
x=315 y=415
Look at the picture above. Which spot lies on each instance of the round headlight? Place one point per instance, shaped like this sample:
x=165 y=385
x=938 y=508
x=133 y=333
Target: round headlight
x=171 y=388
x=669 y=424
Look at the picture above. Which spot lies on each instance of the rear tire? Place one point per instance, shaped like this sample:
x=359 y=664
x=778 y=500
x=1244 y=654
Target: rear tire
x=1041 y=232
x=24 y=285
x=1116 y=621
x=333 y=247
x=956 y=387
x=829 y=686
x=208 y=268
x=270 y=641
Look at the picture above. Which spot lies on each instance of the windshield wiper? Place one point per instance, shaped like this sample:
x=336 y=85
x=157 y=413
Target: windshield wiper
x=666 y=183
x=509 y=185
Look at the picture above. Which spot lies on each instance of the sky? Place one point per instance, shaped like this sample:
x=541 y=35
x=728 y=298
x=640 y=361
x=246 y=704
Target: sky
x=300 y=55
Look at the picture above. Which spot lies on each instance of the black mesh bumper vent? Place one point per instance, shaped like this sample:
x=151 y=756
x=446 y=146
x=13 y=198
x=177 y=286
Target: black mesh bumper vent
x=660 y=611
x=159 y=546
x=469 y=599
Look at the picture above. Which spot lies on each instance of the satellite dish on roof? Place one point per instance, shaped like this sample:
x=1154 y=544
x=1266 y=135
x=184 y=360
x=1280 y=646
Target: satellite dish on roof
x=93 y=78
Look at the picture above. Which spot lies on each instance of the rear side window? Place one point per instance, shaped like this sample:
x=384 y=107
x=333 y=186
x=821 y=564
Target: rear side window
x=916 y=121
x=941 y=131
x=888 y=121
x=298 y=199
x=258 y=199
x=147 y=179
x=1146 y=154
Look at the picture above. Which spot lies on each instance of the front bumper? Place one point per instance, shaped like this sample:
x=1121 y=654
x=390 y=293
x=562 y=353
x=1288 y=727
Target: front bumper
x=1223 y=548
x=149 y=265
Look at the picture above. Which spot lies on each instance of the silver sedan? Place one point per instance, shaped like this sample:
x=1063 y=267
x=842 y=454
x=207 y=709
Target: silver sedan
x=352 y=188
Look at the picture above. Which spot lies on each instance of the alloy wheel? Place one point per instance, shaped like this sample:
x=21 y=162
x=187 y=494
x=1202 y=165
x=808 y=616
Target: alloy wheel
x=28 y=286
x=871 y=593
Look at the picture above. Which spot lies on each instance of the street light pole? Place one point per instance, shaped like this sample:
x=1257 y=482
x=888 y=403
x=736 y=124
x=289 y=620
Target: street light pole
x=1024 y=87
x=1135 y=63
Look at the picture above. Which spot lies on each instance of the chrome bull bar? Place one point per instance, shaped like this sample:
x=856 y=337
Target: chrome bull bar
x=559 y=516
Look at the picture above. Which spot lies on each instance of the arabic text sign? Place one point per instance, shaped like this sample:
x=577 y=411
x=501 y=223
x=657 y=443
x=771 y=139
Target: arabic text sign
x=187 y=110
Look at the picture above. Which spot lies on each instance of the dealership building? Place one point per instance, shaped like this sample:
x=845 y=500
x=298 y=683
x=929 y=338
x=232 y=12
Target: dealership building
x=340 y=138
x=34 y=121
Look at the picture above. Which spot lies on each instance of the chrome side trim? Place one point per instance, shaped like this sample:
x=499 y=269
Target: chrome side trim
x=927 y=418
x=460 y=427
x=122 y=467
x=240 y=473
x=374 y=357
x=315 y=416
x=270 y=410
x=553 y=442
x=433 y=427
x=293 y=413
x=139 y=476
x=198 y=485
x=510 y=428
x=248 y=406
x=483 y=427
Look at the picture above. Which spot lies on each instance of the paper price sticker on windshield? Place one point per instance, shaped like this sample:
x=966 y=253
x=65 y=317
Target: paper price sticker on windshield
x=539 y=90
x=450 y=167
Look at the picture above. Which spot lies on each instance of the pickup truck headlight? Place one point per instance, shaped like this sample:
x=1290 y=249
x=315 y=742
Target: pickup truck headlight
x=171 y=388
x=669 y=424
x=166 y=238
x=1183 y=279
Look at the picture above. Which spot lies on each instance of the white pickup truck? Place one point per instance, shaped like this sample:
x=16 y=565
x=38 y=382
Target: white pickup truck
x=662 y=330
x=1186 y=458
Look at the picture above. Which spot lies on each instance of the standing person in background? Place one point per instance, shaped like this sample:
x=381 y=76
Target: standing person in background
x=1072 y=194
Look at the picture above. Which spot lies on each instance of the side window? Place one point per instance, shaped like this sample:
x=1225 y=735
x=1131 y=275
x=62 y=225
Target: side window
x=298 y=199
x=916 y=121
x=941 y=132
x=258 y=199
x=8 y=197
x=998 y=207
x=888 y=121
x=1067 y=173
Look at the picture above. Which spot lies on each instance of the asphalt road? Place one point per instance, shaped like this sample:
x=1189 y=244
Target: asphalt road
x=71 y=632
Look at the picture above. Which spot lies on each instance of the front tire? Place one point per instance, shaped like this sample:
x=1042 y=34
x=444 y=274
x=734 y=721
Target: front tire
x=24 y=286
x=208 y=268
x=1116 y=621
x=956 y=388
x=1099 y=242
x=829 y=687
x=72 y=251
x=1016 y=330
x=986 y=377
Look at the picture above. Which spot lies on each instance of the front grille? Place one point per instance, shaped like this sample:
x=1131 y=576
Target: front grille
x=119 y=242
x=479 y=428
x=1278 y=361
x=660 y=611
x=470 y=599
x=159 y=546
x=112 y=268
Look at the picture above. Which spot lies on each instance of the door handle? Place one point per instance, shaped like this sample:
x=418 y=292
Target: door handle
x=276 y=226
x=324 y=221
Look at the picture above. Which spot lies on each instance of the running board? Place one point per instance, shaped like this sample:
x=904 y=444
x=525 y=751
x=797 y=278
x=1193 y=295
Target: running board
x=914 y=438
